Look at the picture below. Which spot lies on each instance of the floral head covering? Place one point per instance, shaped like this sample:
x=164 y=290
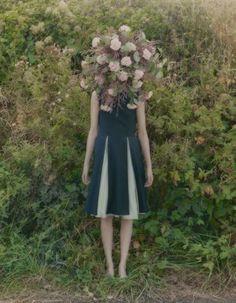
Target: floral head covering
x=118 y=65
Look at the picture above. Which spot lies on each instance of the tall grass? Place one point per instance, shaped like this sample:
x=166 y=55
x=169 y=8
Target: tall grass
x=44 y=119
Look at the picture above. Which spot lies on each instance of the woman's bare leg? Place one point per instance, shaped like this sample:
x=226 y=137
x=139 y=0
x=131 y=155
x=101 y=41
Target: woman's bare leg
x=125 y=239
x=107 y=240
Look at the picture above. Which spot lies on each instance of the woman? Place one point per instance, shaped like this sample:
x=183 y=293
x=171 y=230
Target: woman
x=119 y=179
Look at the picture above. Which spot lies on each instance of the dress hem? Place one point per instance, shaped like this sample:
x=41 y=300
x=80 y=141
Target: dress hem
x=115 y=215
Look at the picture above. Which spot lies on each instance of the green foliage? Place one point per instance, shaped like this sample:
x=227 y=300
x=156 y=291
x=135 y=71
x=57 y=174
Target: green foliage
x=44 y=120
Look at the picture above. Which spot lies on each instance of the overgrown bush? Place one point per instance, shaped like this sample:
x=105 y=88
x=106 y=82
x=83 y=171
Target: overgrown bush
x=191 y=121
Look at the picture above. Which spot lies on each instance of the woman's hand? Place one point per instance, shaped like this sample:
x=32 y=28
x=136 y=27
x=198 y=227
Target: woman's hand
x=149 y=177
x=85 y=176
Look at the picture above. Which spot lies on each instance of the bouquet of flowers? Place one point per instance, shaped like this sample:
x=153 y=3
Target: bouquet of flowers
x=117 y=66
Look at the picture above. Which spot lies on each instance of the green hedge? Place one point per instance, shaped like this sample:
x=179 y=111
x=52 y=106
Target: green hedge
x=45 y=119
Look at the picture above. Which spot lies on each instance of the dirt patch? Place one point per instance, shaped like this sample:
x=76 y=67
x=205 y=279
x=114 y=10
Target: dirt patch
x=189 y=287
x=62 y=297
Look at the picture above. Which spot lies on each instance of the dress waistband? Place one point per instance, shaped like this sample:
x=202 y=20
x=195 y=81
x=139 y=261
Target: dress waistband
x=126 y=133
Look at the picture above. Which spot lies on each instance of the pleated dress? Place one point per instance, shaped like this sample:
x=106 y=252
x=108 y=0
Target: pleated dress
x=116 y=186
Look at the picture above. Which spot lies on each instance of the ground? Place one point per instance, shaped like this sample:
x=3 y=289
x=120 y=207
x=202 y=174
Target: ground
x=62 y=297
x=177 y=289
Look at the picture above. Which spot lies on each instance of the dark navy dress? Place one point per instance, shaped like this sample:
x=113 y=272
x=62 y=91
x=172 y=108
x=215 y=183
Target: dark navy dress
x=118 y=175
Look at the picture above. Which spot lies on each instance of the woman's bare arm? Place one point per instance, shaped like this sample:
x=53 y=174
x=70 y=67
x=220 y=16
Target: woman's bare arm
x=144 y=140
x=94 y=110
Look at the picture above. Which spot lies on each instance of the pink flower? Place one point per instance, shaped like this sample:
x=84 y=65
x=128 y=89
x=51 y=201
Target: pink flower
x=111 y=91
x=138 y=74
x=114 y=66
x=146 y=54
x=101 y=59
x=99 y=79
x=123 y=76
x=126 y=61
x=152 y=50
x=115 y=44
x=95 y=41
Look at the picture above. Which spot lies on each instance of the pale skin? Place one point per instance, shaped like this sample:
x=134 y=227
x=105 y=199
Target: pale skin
x=106 y=223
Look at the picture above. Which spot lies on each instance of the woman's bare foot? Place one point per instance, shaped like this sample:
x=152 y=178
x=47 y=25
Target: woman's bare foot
x=122 y=271
x=110 y=270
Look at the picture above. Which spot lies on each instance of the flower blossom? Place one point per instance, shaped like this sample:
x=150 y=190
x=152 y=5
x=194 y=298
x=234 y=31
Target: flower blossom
x=126 y=61
x=115 y=44
x=137 y=84
x=105 y=107
x=131 y=47
x=101 y=59
x=111 y=91
x=149 y=95
x=146 y=54
x=84 y=63
x=114 y=66
x=138 y=74
x=124 y=28
x=153 y=50
x=95 y=41
x=99 y=79
x=123 y=76
x=131 y=106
